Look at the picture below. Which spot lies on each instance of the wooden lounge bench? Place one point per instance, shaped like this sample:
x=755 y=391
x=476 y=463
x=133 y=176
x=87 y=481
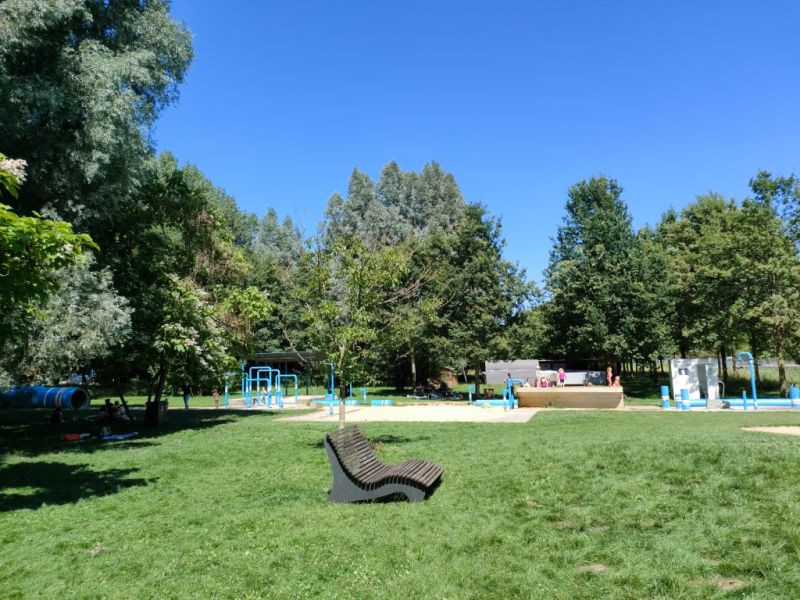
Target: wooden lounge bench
x=359 y=475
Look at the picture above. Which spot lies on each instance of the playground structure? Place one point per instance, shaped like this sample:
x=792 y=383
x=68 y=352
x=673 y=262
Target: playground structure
x=261 y=385
x=695 y=385
x=42 y=396
x=508 y=402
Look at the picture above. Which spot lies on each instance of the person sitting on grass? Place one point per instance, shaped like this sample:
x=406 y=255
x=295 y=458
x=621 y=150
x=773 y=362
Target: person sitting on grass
x=119 y=413
x=103 y=417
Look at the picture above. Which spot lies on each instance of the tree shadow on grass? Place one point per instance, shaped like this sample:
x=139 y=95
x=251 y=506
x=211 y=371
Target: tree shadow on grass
x=28 y=432
x=34 y=484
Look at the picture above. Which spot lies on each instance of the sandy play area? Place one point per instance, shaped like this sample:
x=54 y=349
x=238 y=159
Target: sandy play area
x=782 y=429
x=429 y=413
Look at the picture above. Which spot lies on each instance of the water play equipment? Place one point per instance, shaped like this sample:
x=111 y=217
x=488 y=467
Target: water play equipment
x=706 y=387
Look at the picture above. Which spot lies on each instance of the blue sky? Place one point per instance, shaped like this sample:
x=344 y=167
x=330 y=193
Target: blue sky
x=519 y=100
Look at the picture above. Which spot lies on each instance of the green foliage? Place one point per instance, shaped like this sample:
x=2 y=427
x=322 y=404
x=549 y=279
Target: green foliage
x=486 y=293
x=588 y=312
x=400 y=205
x=31 y=250
x=81 y=81
x=12 y=174
x=781 y=194
x=80 y=324
x=189 y=338
x=702 y=247
x=347 y=294
x=242 y=309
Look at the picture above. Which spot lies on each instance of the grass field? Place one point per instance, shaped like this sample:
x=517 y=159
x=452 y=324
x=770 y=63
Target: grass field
x=570 y=505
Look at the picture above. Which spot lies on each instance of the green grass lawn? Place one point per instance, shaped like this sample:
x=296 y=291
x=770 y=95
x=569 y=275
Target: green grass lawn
x=571 y=505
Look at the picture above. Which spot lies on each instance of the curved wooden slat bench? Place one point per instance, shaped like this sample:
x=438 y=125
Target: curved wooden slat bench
x=359 y=475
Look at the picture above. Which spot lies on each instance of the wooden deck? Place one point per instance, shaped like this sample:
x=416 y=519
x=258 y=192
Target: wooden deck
x=571 y=397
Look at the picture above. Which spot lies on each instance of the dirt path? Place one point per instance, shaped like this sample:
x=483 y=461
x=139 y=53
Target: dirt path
x=435 y=413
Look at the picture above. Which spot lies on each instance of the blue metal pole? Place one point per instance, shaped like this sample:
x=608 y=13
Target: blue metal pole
x=333 y=391
x=664 y=396
x=686 y=403
x=244 y=377
x=752 y=376
x=470 y=391
x=510 y=384
x=258 y=370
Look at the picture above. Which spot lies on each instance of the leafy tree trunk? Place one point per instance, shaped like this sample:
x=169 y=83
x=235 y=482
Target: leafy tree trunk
x=779 y=351
x=161 y=378
x=120 y=389
x=782 y=377
x=342 y=396
x=723 y=353
x=477 y=378
x=413 y=358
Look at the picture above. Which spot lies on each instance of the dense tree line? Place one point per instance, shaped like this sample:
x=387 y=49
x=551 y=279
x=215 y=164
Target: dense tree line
x=121 y=260
x=717 y=276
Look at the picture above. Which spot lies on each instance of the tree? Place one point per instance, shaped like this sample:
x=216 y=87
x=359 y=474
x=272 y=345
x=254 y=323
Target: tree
x=32 y=249
x=650 y=313
x=768 y=273
x=189 y=338
x=414 y=333
x=343 y=289
x=80 y=84
x=588 y=312
x=175 y=261
x=80 y=323
x=486 y=294
x=782 y=194
x=400 y=205
x=701 y=249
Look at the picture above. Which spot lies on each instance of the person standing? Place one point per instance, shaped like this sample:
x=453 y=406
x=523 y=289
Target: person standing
x=215 y=397
x=609 y=377
x=187 y=393
x=562 y=378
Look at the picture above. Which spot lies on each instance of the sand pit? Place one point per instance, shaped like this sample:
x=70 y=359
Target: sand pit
x=421 y=413
x=781 y=429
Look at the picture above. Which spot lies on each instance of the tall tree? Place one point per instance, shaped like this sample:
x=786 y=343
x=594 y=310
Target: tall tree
x=701 y=248
x=400 y=205
x=79 y=325
x=588 y=313
x=783 y=194
x=768 y=274
x=32 y=250
x=80 y=84
x=487 y=294
x=343 y=289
